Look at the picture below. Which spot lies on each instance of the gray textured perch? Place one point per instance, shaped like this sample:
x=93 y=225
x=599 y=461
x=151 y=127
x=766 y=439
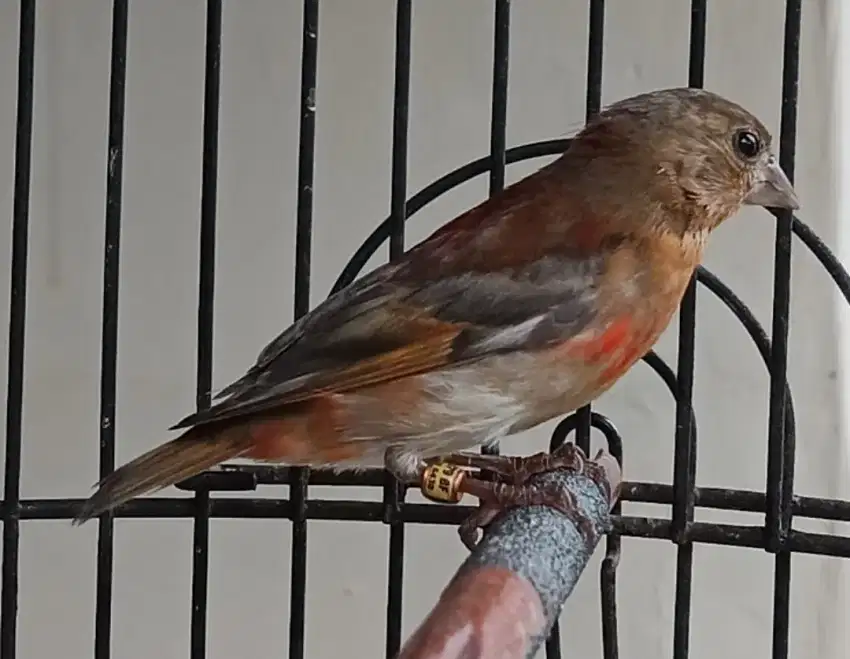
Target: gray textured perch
x=504 y=599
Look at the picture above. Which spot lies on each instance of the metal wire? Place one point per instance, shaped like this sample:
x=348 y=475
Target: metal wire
x=777 y=503
x=393 y=491
x=303 y=246
x=17 y=330
x=593 y=101
x=206 y=294
x=109 y=330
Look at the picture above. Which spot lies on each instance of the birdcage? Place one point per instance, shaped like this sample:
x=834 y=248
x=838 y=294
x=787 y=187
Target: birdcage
x=493 y=34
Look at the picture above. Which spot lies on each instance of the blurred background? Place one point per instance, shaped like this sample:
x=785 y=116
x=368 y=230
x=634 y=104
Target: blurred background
x=646 y=47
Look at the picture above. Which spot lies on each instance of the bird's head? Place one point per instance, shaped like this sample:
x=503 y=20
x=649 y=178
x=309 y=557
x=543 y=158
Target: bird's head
x=688 y=154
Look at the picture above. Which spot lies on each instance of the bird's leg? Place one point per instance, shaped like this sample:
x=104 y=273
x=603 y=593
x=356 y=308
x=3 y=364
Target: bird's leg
x=450 y=478
x=505 y=466
x=516 y=470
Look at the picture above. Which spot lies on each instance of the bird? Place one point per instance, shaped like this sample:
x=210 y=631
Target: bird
x=522 y=309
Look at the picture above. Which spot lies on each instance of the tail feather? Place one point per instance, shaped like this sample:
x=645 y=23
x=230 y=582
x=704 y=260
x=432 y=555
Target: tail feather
x=165 y=465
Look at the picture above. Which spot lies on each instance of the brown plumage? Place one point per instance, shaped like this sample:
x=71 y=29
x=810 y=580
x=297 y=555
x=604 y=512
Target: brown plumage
x=522 y=309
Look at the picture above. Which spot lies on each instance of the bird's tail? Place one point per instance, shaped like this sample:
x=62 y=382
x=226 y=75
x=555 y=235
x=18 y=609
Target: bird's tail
x=170 y=463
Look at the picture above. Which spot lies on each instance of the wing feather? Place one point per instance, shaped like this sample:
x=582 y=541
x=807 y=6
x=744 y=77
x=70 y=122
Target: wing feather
x=496 y=279
x=418 y=327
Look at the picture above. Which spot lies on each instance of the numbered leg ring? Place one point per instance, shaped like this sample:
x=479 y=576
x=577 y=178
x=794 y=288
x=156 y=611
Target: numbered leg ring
x=442 y=482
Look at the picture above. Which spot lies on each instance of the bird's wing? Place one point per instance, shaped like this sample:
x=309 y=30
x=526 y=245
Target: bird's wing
x=377 y=332
x=495 y=279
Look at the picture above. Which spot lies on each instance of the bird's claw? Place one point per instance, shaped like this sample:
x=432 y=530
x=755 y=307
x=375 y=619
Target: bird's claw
x=452 y=477
x=507 y=496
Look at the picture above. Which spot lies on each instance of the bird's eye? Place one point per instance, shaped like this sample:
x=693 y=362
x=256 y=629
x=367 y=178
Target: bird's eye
x=747 y=143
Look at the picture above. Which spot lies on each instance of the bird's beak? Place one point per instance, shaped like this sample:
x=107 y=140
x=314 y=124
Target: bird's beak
x=772 y=188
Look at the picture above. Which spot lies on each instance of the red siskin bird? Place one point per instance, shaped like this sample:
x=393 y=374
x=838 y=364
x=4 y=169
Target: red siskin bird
x=520 y=310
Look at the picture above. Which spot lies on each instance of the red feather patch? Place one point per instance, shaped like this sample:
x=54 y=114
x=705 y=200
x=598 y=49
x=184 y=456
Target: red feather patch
x=618 y=347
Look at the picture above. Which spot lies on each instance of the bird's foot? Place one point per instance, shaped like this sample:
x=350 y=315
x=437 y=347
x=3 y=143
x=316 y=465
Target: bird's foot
x=446 y=480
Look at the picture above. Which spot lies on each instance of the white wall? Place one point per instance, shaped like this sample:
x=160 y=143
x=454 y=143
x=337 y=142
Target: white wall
x=646 y=47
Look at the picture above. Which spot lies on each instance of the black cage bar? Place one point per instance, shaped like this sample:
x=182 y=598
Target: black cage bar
x=778 y=502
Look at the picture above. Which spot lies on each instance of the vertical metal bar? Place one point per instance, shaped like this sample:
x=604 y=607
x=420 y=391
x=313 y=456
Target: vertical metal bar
x=499 y=112
x=401 y=112
x=303 y=247
x=777 y=520
x=499 y=109
x=17 y=331
x=109 y=333
x=393 y=492
x=781 y=436
x=684 y=462
x=499 y=117
x=595 y=49
x=593 y=101
x=206 y=297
